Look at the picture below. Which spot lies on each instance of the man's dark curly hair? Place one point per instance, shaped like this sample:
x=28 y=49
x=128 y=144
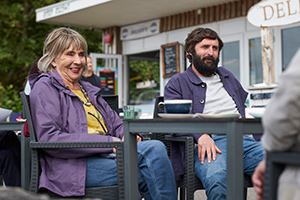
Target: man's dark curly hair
x=197 y=36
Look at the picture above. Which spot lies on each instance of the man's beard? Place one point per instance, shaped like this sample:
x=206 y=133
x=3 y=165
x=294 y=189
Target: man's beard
x=202 y=67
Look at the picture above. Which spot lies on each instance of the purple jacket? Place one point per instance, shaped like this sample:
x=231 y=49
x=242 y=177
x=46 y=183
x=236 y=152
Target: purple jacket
x=59 y=116
x=188 y=85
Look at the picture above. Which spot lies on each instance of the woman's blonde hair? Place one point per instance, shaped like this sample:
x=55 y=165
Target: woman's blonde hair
x=56 y=43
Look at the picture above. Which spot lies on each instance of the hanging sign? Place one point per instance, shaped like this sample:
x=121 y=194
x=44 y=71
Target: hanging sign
x=140 y=30
x=274 y=13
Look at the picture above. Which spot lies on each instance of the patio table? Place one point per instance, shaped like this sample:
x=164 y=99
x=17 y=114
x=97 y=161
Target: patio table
x=232 y=128
x=19 y=126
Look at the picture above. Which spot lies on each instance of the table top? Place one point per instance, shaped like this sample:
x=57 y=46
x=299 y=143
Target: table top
x=193 y=125
x=11 y=125
x=194 y=120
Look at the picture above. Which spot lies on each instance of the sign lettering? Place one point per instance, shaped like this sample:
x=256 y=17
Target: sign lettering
x=140 y=30
x=274 y=12
x=60 y=9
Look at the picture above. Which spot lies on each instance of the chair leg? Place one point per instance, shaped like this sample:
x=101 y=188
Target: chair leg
x=182 y=193
x=245 y=193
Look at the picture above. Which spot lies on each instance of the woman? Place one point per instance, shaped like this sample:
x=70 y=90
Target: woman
x=89 y=74
x=66 y=109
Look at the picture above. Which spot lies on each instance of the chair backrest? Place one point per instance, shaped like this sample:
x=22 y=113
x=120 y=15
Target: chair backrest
x=27 y=114
x=113 y=101
x=158 y=108
x=26 y=163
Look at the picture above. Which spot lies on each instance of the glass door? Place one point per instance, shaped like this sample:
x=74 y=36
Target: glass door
x=109 y=68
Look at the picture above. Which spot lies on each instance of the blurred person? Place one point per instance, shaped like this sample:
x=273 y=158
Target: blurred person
x=213 y=90
x=89 y=74
x=282 y=132
x=67 y=109
x=33 y=70
x=10 y=158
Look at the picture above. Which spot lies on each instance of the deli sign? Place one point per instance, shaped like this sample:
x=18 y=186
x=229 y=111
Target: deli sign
x=274 y=13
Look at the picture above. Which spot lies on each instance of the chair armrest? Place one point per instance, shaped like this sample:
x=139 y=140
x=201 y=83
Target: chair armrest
x=287 y=158
x=48 y=145
x=51 y=145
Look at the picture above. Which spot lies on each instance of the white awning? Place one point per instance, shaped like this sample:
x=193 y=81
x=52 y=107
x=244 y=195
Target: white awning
x=101 y=14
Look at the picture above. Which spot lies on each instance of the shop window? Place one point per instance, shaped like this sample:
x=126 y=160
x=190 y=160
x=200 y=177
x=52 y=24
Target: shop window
x=231 y=57
x=144 y=82
x=255 y=61
x=290 y=44
x=144 y=76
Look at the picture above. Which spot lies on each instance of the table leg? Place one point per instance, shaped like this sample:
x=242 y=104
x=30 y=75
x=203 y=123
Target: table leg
x=235 y=184
x=130 y=164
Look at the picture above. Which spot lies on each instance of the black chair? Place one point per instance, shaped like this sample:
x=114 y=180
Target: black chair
x=113 y=101
x=189 y=183
x=275 y=164
x=105 y=193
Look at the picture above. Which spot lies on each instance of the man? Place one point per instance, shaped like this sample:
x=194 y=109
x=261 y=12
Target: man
x=281 y=132
x=214 y=90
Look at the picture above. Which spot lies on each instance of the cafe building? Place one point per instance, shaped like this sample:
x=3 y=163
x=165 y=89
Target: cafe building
x=143 y=41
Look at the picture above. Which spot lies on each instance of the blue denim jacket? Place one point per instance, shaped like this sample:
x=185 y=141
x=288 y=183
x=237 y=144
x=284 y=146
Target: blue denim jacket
x=59 y=116
x=188 y=85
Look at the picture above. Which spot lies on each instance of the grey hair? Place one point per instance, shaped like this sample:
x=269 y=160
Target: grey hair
x=58 y=41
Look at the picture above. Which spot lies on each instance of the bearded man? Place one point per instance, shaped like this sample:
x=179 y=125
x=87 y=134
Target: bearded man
x=213 y=90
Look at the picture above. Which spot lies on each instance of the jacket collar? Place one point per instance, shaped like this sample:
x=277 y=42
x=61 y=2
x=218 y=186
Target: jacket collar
x=57 y=81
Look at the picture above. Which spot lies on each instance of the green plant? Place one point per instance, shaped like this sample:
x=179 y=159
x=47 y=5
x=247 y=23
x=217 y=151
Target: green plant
x=10 y=98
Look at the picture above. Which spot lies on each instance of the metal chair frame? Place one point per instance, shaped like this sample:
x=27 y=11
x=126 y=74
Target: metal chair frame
x=275 y=164
x=105 y=193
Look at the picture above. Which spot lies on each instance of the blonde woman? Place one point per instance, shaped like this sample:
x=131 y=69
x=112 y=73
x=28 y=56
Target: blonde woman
x=66 y=109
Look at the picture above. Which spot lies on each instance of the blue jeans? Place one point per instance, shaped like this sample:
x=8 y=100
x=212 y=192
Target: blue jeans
x=213 y=175
x=155 y=173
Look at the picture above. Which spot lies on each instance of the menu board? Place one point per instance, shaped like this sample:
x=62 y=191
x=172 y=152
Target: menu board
x=107 y=79
x=170 y=59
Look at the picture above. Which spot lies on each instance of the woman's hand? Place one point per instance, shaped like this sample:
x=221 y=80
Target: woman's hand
x=138 y=138
x=114 y=139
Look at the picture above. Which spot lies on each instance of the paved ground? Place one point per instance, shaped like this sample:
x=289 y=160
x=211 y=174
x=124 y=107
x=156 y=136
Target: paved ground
x=200 y=194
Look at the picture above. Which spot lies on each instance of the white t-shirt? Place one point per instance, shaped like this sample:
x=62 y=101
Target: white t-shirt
x=217 y=100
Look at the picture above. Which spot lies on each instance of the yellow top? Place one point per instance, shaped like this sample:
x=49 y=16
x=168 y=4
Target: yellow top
x=95 y=121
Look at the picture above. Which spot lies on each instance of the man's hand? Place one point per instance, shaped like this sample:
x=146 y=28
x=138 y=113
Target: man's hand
x=206 y=145
x=258 y=178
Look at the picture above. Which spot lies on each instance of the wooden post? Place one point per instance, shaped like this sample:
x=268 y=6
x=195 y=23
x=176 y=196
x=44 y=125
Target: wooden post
x=267 y=56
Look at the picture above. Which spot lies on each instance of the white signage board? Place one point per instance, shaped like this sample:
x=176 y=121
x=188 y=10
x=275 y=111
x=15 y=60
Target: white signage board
x=65 y=7
x=140 y=30
x=274 y=13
